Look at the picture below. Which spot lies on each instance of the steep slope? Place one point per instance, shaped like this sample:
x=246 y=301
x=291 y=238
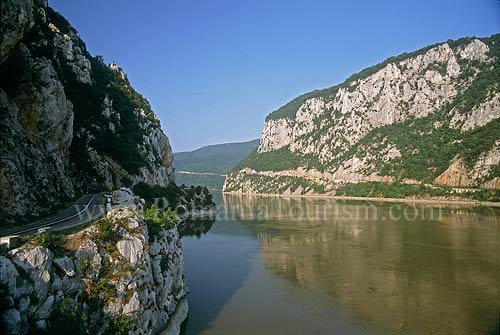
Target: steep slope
x=124 y=273
x=208 y=165
x=70 y=124
x=420 y=123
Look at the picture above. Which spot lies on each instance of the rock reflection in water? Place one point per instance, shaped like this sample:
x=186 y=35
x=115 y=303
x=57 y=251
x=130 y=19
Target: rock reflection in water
x=404 y=269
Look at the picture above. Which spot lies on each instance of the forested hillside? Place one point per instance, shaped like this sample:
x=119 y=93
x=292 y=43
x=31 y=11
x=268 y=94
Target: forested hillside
x=208 y=165
x=422 y=124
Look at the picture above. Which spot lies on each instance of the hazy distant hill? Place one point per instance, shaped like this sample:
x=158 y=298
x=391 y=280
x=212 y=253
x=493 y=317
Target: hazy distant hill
x=218 y=159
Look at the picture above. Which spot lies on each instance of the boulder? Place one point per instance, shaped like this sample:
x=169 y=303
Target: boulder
x=11 y=320
x=45 y=309
x=130 y=248
x=88 y=259
x=66 y=265
x=133 y=305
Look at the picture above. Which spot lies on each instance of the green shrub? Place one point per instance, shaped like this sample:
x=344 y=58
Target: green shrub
x=69 y=318
x=120 y=325
x=154 y=215
x=157 y=220
x=394 y=190
x=166 y=219
x=102 y=289
x=278 y=160
x=51 y=241
x=173 y=194
x=105 y=231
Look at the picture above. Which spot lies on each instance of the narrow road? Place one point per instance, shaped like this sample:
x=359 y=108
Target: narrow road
x=86 y=209
x=201 y=173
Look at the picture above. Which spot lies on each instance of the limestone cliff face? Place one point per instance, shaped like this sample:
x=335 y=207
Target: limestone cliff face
x=113 y=275
x=70 y=124
x=406 y=120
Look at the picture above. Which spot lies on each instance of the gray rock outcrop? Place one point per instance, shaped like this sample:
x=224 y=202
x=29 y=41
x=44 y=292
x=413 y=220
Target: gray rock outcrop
x=126 y=276
x=70 y=124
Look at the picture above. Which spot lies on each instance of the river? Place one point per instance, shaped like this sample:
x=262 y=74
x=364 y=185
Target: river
x=320 y=266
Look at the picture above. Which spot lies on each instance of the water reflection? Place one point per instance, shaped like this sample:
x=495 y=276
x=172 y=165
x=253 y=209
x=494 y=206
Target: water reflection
x=195 y=227
x=404 y=269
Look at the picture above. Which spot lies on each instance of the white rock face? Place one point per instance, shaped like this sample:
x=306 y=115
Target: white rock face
x=72 y=54
x=161 y=150
x=278 y=134
x=133 y=305
x=38 y=263
x=458 y=175
x=476 y=50
x=389 y=96
x=479 y=116
x=130 y=248
x=43 y=117
x=44 y=311
x=329 y=126
x=174 y=326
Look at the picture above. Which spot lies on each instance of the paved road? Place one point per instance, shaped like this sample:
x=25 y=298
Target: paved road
x=87 y=208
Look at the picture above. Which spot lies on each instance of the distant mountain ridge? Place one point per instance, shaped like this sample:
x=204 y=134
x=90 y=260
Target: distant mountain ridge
x=218 y=159
x=422 y=124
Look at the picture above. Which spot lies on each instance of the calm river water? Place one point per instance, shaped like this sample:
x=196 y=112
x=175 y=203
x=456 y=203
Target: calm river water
x=316 y=266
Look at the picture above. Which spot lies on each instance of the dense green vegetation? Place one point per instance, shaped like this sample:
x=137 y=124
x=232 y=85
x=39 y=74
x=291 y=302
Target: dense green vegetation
x=105 y=231
x=157 y=220
x=219 y=158
x=278 y=185
x=386 y=190
x=277 y=160
x=69 y=318
x=216 y=159
x=399 y=190
x=121 y=144
x=173 y=196
x=121 y=325
x=52 y=241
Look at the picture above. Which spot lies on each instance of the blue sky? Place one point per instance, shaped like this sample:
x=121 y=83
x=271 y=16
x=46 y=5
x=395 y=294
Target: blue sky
x=213 y=69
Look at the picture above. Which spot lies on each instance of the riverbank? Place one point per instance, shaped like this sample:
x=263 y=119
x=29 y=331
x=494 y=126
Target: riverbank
x=397 y=200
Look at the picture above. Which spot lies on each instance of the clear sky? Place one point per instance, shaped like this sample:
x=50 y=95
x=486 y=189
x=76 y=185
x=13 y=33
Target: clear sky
x=213 y=69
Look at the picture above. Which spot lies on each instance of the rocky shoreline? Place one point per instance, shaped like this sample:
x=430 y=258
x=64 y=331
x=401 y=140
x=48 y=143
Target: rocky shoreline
x=399 y=200
x=115 y=276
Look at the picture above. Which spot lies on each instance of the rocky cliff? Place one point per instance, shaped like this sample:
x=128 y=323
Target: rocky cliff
x=426 y=121
x=70 y=124
x=119 y=276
